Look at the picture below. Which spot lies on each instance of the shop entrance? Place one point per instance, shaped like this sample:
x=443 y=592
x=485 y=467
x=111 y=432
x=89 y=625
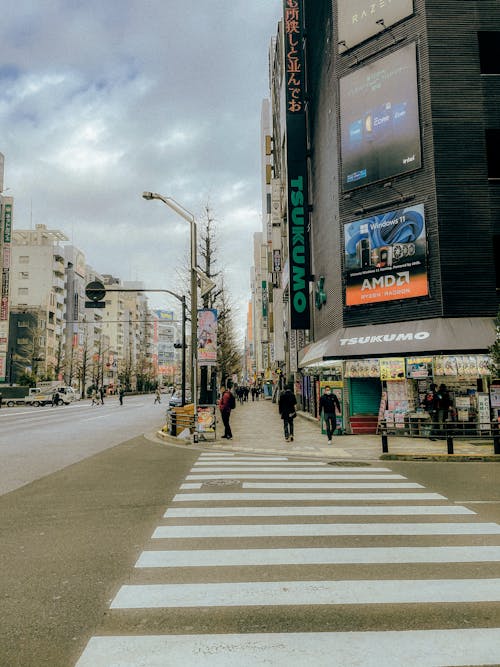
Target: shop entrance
x=364 y=399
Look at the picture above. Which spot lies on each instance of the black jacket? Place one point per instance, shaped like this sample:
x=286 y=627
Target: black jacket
x=329 y=403
x=287 y=403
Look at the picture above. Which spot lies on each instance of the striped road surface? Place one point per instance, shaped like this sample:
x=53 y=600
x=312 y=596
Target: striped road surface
x=268 y=561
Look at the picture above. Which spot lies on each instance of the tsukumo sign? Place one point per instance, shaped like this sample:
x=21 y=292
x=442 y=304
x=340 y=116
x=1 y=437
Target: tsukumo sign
x=298 y=209
x=385 y=338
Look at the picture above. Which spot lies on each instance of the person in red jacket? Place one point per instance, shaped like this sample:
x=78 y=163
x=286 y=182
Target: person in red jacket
x=226 y=403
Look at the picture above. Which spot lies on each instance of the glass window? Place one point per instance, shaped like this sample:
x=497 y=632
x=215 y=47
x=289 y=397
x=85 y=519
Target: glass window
x=489 y=52
x=493 y=153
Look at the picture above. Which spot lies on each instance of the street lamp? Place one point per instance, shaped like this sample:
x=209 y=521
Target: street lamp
x=180 y=210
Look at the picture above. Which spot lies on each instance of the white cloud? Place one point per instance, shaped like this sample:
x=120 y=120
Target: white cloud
x=100 y=101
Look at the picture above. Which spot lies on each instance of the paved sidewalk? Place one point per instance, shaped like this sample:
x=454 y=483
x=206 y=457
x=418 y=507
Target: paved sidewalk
x=258 y=429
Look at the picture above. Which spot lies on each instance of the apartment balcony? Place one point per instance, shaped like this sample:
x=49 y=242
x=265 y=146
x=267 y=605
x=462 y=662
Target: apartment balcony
x=58 y=283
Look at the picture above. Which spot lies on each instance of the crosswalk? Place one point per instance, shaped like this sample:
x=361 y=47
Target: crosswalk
x=269 y=561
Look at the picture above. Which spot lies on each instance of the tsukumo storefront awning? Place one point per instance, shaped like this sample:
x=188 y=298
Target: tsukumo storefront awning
x=433 y=336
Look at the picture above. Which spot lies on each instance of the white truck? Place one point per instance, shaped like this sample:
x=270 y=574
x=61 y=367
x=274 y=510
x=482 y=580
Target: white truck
x=43 y=394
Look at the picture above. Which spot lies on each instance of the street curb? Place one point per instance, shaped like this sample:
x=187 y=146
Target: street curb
x=458 y=458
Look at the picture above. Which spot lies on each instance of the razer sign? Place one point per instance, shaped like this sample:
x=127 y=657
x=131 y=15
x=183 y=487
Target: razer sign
x=298 y=223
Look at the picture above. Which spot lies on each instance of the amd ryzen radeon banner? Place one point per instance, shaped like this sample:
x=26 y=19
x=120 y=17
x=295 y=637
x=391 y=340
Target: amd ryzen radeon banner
x=386 y=257
x=357 y=19
x=379 y=120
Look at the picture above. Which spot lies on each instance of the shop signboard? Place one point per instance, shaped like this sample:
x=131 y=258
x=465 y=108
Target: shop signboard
x=483 y=411
x=495 y=394
x=206 y=418
x=386 y=257
x=359 y=20
x=297 y=170
x=380 y=127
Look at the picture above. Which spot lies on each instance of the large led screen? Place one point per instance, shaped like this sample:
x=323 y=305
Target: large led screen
x=386 y=257
x=379 y=120
x=357 y=19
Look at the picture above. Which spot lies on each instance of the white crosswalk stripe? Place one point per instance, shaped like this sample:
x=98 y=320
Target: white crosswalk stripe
x=251 y=549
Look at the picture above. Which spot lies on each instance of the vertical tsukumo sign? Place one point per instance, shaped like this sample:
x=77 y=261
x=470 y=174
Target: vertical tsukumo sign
x=298 y=227
x=5 y=241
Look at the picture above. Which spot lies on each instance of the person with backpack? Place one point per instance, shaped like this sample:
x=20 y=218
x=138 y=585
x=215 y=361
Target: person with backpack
x=227 y=403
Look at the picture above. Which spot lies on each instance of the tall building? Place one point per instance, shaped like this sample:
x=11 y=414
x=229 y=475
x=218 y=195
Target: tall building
x=37 y=290
x=385 y=140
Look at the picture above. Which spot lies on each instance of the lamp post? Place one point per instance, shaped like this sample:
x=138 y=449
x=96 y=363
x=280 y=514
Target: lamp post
x=180 y=210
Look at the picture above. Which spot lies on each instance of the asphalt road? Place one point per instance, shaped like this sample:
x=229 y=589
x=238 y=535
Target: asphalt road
x=133 y=552
x=38 y=441
x=68 y=538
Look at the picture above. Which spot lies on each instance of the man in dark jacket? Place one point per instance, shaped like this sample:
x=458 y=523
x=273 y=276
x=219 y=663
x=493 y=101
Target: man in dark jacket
x=226 y=403
x=286 y=406
x=328 y=404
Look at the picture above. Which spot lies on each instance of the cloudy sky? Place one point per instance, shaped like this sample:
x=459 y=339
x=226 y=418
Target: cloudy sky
x=100 y=101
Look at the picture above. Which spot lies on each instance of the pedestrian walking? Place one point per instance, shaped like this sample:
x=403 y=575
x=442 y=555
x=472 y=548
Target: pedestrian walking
x=93 y=396
x=430 y=405
x=157 y=396
x=1 y=399
x=328 y=405
x=120 y=395
x=286 y=406
x=101 y=394
x=443 y=407
x=227 y=403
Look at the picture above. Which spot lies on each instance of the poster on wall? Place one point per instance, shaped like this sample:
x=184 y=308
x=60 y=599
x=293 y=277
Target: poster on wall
x=419 y=367
x=392 y=368
x=386 y=257
x=207 y=336
x=357 y=19
x=380 y=130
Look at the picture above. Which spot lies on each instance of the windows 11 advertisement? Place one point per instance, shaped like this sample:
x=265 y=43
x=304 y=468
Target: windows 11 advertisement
x=380 y=129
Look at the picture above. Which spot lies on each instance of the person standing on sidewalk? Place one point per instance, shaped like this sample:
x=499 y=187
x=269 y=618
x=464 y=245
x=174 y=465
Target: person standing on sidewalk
x=286 y=407
x=329 y=404
x=226 y=404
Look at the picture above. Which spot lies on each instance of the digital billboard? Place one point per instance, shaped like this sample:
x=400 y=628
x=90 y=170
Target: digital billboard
x=357 y=19
x=379 y=118
x=386 y=257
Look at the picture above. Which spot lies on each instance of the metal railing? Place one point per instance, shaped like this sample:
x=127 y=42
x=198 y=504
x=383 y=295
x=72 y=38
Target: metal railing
x=448 y=431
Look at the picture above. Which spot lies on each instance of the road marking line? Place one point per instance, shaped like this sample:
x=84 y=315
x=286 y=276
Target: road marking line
x=326 y=529
x=234 y=457
x=318 y=485
x=301 y=496
x=416 y=648
x=293 y=468
x=318 y=556
x=349 y=510
x=291 y=475
x=293 y=593
x=256 y=463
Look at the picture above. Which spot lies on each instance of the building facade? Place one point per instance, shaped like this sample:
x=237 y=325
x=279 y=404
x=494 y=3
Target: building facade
x=385 y=121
